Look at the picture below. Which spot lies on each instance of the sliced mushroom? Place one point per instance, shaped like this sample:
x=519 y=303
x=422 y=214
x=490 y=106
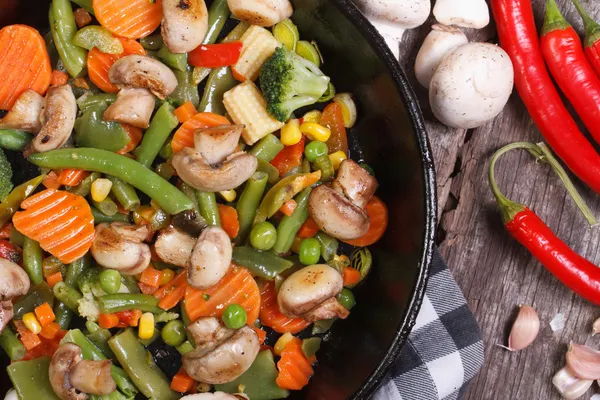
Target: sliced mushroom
x=214 y=396
x=221 y=354
x=64 y=359
x=143 y=72
x=174 y=246
x=184 y=24
x=329 y=309
x=210 y=259
x=355 y=183
x=261 y=12
x=193 y=169
x=119 y=246
x=307 y=289
x=25 y=114
x=58 y=118
x=6 y=313
x=14 y=281
x=336 y=215
x=133 y=106
x=93 y=377
x=217 y=143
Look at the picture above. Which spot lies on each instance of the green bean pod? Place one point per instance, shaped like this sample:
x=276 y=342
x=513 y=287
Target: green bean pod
x=219 y=81
x=172 y=60
x=218 y=14
x=124 y=193
x=248 y=204
x=31 y=380
x=154 y=139
x=112 y=303
x=37 y=296
x=260 y=263
x=186 y=89
x=14 y=140
x=63 y=27
x=207 y=203
x=289 y=226
x=107 y=206
x=32 y=260
x=100 y=218
x=66 y=294
x=85 y=187
x=267 y=148
x=11 y=344
x=13 y=201
x=63 y=315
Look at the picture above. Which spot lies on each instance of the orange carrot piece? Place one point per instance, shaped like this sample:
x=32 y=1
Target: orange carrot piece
x=182 y=382
x=294 y=368
x=72 y=177
x=51 y=181
x=184 y=136
x=151 y=277
x=308 y=229
x=289 y=207
x=58 y=78
x=49 y=331
x=82 y=17
x=229 y=220
x=185 y=112
x=173 y=298
x=237 y=286
x=351 y=276
x=99 y=63
x=61 y=222
x=179 y=280
x=28 y=338
x=134 y=19
x=108 y=321
x=44 y=314
x=273 y=318
x=54 y=279
x=378 y=216
x=135 y=137
x=333 y=118
x=262 y=335
x=24 y=63
x=81 y=83
x=145 y=289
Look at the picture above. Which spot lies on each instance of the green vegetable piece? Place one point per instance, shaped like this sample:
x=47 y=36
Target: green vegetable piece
x=32 y=260
x=185 y=348
x=176 y=61
x=207 y=203
x=92 y=36
x=310 y=251
x=5 y=176
x=248 y=204
x=16 y=237
x=328 y=95
x=63 y=28
x=99 y=337
x=76 y=270
x=14 y=140
x=110 y=281
x=173 y=333
x=263 y=236
x=24 y=373
x=287 y=34
x=107 y=206
x=63 y=315
x=284 y=190
x=12 y=346
x=85 y=187
x=100 y=218
x=323 y=164
x=346 y=298
x=361 y=260
x=13 y=201
x=112 y=303
x=310 y=346
x=234 y=316
x=199 y=74
x=38 y=295
x=315 y=149
x=267 y=148
x=153 y=338
x=322 y=326
x=218 y=14
x=67 y=295
x=89 y=100
x=259 y=381
x=152 y=42
x=124 y=193
x=186 y=90
x=86 y=4
x=329 y=246
x=91 y=130
x=165 y=170
x=367 y=168
x=270 y=170
x=237 y=32
x=154 y=139
x=220 y=80
x=308 y=51
x=289 y=226
x=263 y=264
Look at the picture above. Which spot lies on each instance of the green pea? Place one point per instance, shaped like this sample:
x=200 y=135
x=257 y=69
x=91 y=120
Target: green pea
x=173 y=333
x=234 y=316
x=310 y=251
x=315 y=149
x=263 y=236
x=110 y=281
x=346 y=298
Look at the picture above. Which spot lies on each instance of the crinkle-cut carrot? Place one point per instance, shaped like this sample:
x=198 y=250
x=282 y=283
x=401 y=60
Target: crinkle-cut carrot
x=51 y=181
x=378 y=217
x=236 y=287
x=185 y=112
x=24 y=63
x=229 y=220
x=98 y=63
x=294 y=368
x=58 y=78
x=184 y=136
x=72 y=177
x=60 y=221
x=133 y=19
x=135 y=137
x=273 y=318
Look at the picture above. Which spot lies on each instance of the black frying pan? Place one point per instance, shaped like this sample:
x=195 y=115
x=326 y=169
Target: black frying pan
x=391 y=137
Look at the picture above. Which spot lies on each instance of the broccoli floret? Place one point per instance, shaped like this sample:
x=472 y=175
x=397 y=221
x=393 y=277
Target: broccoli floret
x=5 y=176
x=289 y=82
x=89 y=283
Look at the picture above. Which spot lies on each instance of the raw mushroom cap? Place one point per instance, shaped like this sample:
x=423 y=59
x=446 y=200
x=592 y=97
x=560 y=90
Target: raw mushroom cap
x=210 y=259
x=184 y=24
x=465 y=13
x=25 y=114
x=14 y=281
x=143 y=72
x=117 y=247
x=174 y=246
x=64 y=359
x=263 y=13
x=133 y=106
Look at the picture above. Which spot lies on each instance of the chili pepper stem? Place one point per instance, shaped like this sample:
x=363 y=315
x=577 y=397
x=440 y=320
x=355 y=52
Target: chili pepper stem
x=592 y=28
x=554 y=20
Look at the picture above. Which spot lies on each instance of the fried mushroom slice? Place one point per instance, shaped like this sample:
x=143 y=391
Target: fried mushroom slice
x=261 y=12
x=133 y=106
x=184 y=24
x=210 y=259
x=174 y=246
x=214 y=396
x=93 y=377
x=25 y=114
x=217 y=143
x=14 y=281
x=355 y=183
x=64 y=359
x=119 y=246
x=137 y=71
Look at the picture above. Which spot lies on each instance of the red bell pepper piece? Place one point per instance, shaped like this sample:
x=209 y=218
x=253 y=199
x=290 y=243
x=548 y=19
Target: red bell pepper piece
x=215 y=55
x=10 y=252
x=290 y=157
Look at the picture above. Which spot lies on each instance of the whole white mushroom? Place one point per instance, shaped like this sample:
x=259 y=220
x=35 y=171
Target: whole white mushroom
x=471 y=86
x=465 y=13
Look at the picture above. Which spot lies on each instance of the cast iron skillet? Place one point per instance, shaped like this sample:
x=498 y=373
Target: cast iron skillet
x=390 y=136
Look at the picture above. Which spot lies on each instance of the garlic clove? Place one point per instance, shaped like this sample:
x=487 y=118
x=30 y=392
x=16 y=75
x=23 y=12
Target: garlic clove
x=596 y=327
x=524 y=330
x=583 y=361
x=570 y=386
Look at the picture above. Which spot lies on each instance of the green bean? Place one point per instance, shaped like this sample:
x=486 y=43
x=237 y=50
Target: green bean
x=237 y=32
x=165 y=170
x=185 y=348
x=219 y=81
x=248 y=204
x=162 y=192
x=130 y=283
x=218 y=13
x=207 y=203
x=155 y=335
x=100 y=218
x=99 y=337
x=16 y=237
x=63 y=315
x=160 y=128
x=323 y=163
x=30 y=379
x=112 y=303
x=167 y=151
x=86 y=4
x=14 y=140
x=283 y=191
x=152 y=42
x=172 y=60
x=107 y=206
x=270 y=170
x=124 y=193
x=186 y=89
x=37 y=296
x=32 y=260
x=13 y=201
x=11 y=344
x=289 y=226
x=63 y=27
x=190 y=192
x=85 y=187
x=267 y=148
x=76 y=269
x=89 y=100
x=260 y=263
x=305 y=166
x=329 y=245
x=143 y=371
x=67 y=295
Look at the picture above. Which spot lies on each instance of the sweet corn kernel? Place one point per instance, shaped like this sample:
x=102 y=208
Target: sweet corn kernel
x=167 y=276
x=312 y=116
x=315 y=131
x=228 y=195
x=32 y=323
x=146 y=326
x=282 y=342
x=337 y=158
x=290 y=133
x=101 y=189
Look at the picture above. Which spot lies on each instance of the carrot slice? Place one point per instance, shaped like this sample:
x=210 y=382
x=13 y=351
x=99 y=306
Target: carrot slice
x=60 y=221
x=378 y=216
x=185 y=112
x=98 y=63
x=182 y=382
x=151 y=277
x=229 y=220
x=53 y=279
x=351 y=276
x=294 y=368
x=273 y=318
x=51 y=181
x=262 y=335
x=72 y=177
x=58 y=78
x=173 y=298
x=135 y=137
x=308 y=229
x=184 y=136
x=167 y=288
x=24 y=63
x=236 y=287
x=108 y=321
x=133 y=19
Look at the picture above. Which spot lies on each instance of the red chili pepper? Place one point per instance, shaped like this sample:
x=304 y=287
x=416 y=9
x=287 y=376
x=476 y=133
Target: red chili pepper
x=215 y=55
x=518 y=37
x=570 y=68
x=591 y=43
x=10 y=252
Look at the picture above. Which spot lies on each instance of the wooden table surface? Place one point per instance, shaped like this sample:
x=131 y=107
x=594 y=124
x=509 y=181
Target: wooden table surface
x=495 y=273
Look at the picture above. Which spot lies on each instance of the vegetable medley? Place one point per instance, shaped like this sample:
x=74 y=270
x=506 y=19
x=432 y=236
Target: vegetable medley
x=188 y=206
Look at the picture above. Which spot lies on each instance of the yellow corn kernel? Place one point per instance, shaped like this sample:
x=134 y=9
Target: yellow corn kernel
x=101 y=189
x=258 y=44
x=348 y=105
x=290 y=133
x=282 y=342
x=167 y=276
x=146 y=326
x=312 y=116
x=337 y=158
x=32 y=323
x=228 y=195
x=315 y=131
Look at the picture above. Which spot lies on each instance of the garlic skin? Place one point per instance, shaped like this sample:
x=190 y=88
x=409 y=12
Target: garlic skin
x=583 y=361
x=596 y=327
x=570 y=386
x=525 y=329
